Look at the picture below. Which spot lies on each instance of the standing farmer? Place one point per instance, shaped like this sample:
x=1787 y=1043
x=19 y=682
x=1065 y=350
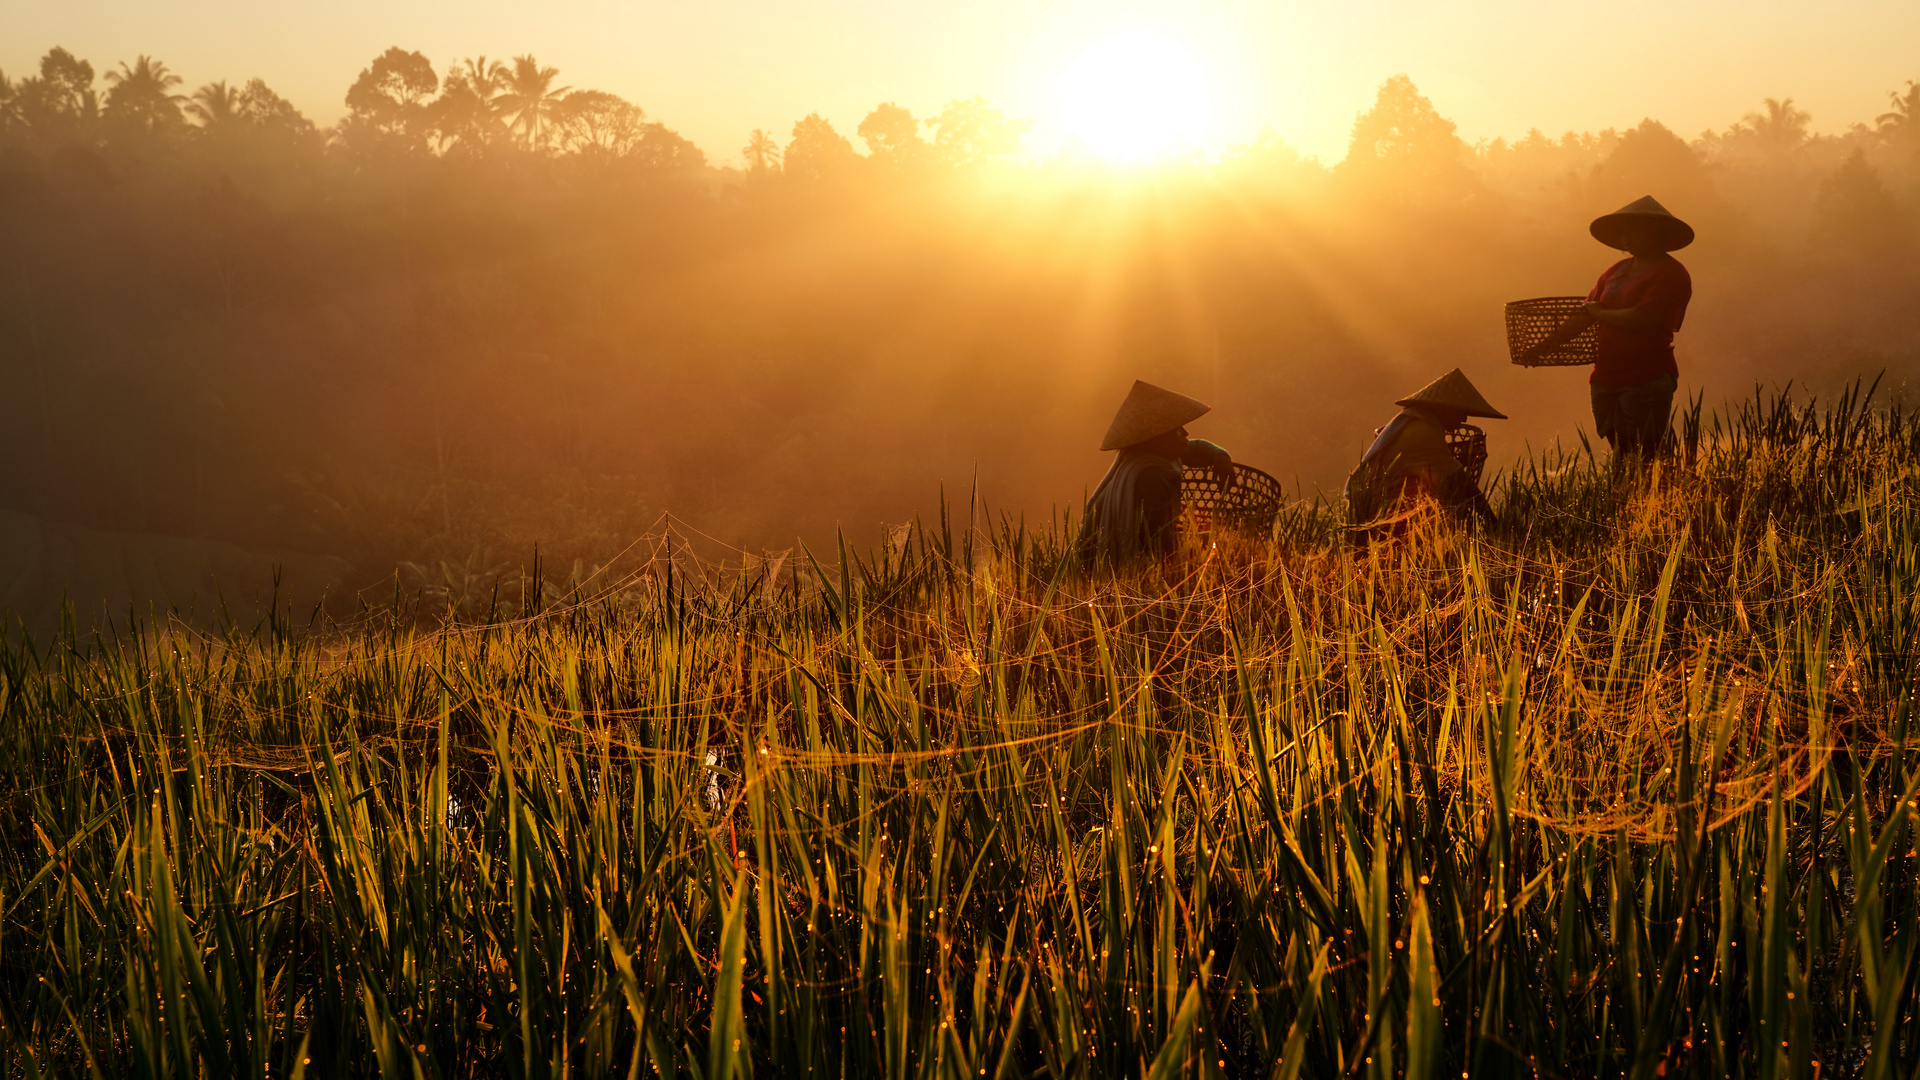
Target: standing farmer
x=1136 y=508
x=1639 y=303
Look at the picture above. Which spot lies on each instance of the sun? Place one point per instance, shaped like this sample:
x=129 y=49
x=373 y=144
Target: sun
x=1135 y=96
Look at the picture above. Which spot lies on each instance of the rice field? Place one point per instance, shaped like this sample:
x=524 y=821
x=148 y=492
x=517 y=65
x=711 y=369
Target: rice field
x=1621 y=788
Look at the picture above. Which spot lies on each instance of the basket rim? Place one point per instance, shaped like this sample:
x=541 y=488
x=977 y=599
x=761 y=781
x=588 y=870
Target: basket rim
x=1539 y=299
x=1257 y=471
x=1238 y=467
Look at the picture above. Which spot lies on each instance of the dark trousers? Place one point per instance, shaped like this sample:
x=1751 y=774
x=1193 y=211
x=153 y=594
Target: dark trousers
x=1635 y=418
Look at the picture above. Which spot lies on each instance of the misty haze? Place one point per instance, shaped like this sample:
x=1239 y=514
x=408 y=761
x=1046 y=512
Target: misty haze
x=489 y=311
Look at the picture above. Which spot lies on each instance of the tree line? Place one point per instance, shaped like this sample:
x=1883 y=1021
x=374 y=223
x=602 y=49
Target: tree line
x=400 y=104
x=1856 y=186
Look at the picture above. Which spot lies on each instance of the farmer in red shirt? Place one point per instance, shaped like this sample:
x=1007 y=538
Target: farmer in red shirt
x=1639 y=303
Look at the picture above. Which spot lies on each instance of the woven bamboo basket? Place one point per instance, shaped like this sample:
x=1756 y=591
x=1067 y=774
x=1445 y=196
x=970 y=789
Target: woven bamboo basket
x=1530 y=321
x=1469 y=446
x=1251 y=503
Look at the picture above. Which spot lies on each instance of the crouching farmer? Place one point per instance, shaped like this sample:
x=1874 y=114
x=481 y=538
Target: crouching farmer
x=1410 y=462
x=1135 y=512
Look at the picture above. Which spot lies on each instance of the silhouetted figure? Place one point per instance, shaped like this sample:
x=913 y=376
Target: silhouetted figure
x=1639 y=303
x=1136 y=509
x=1410 y=460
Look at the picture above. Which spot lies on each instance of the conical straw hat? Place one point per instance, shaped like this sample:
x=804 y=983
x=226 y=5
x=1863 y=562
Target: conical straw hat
x=1611 y=229
x=1452 y=391
x=1150 y=411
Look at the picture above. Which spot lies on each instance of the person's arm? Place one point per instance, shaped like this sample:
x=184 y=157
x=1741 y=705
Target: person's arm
x=1660 y=305
x=1576 y=323
x=1650 y=314
x=1202 y=454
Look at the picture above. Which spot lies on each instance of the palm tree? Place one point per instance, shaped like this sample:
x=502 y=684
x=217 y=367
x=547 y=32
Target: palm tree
x=762 y=153
x=1782 y=127
x=485 y=77
x=1904 y=120
x=215 y=104
x=468 y=111
x=531 y=99
x=143 y=94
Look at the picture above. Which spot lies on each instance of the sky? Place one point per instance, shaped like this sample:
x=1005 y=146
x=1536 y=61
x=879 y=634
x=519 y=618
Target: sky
x=717 y=69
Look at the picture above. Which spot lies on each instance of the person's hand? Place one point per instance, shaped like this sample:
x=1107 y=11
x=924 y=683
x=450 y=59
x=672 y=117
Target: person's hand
x=1223 y=471
x=1592 y=308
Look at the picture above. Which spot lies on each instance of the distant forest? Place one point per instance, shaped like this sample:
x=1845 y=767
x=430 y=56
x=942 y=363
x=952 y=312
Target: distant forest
x=488 y=309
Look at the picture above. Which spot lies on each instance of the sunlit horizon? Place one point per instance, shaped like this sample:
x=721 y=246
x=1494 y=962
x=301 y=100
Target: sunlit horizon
x=715 y=73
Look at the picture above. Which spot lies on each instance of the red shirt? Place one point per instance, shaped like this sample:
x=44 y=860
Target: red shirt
x=1631 y=357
